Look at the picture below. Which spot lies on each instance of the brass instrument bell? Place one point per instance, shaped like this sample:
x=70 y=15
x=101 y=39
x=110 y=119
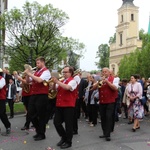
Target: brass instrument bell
x=100 y=83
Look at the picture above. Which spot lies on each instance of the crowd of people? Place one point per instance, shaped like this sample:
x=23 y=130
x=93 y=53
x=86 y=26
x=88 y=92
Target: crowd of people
x=100 y=98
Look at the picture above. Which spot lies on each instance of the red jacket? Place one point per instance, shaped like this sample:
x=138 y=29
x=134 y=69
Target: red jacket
x=106 y=94
x=66 y=98
x=39 y=88
x=2 y=92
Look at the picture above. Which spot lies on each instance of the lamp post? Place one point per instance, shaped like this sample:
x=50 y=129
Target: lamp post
x=31 y=45
x=1 y=60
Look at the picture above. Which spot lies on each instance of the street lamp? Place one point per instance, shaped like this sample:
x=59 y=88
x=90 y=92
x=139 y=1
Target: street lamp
x=31 y=42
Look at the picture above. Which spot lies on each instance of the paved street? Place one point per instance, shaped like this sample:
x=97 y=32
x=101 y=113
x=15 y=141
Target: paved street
x=87 y=139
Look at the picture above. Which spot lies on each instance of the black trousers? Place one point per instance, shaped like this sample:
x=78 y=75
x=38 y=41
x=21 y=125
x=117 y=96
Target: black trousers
x=93 y=113
x=75 y=116
x=37 y=112
x=64 y=114
x=84 y=107
x=26 y=104
x=3 y=115
x=51 y=106
x=106 y=113
x=11 y=106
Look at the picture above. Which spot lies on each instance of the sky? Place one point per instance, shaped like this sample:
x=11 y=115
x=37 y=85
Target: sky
x=92 y=22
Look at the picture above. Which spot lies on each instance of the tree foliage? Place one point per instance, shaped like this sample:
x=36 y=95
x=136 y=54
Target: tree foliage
x=103 y=55
x=138 y=61
x=36 y=31
x=112 y=39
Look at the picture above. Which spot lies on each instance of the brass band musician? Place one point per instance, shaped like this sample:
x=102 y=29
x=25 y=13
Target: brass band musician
x=107 y=96
x=39 y=97
x=26 y=93
x=65 y=104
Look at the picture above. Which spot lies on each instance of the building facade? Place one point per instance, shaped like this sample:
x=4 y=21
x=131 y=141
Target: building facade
x=3 y=61
x=127 y=34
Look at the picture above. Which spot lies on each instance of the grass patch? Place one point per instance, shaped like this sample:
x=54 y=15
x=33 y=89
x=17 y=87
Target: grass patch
x=18 y=108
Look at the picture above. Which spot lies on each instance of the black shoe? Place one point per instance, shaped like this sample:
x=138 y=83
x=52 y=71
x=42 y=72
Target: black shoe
x=133 y=129
x=130 y=122
x=8 y=130
x=75 y=132
x=24 y=128
x=65 y=145
x=61 y=142
x=102 y=136
x=11 y=117
x=35 y=136
x=138 y=128
x=40 y=137
x=108 y=139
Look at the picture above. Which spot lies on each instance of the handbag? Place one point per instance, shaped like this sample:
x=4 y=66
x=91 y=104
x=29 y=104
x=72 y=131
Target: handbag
x=143 y=100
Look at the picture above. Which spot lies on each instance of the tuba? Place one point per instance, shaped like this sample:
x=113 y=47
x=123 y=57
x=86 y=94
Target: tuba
x=52 y=92
x=26 y=87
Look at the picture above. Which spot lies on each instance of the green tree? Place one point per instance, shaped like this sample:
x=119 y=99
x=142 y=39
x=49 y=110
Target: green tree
x=112 y=39
x=138 y=61
x=103 y=55
x=36 y=31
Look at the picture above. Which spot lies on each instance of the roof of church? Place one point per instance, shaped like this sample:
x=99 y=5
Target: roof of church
x=127 y=2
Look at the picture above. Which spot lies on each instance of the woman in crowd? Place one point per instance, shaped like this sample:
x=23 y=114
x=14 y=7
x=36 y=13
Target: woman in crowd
x=134 y=95
x=92 y=107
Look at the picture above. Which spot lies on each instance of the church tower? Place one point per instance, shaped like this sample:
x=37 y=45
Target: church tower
x=127 y=34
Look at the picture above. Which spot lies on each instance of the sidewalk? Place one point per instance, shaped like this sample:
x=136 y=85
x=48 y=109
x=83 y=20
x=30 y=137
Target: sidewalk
x=88 y=138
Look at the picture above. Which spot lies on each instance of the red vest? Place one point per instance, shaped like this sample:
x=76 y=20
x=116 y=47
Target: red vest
x=106 y=94
x=66 y=98
x=2 y=92
x=39 y=88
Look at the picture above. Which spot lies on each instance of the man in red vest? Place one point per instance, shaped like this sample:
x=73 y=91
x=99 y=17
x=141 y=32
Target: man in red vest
x=65 y=104
x=39 y=97
x=3 y=115
x=107 y=96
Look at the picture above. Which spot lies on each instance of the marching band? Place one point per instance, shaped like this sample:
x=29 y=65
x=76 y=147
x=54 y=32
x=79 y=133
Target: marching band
x=99 y=94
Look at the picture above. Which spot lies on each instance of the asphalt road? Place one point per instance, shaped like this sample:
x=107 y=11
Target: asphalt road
x=87 y=139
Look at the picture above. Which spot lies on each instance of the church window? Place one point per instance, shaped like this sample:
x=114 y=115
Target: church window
x=121 y=39
x=121 y=18
x=132 y=17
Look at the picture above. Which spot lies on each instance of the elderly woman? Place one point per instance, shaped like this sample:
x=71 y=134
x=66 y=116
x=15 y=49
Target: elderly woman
x=134 y=95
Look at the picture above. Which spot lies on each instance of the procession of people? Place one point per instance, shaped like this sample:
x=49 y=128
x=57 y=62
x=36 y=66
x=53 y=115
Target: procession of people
x=98 y=97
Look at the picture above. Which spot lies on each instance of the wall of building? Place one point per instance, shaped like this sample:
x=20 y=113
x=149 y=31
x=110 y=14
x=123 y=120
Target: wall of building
x=128 y=27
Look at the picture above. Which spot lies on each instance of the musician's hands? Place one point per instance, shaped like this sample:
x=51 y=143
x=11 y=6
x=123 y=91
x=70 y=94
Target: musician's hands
x=54 y=79
x=27 y=71
x=19 y=78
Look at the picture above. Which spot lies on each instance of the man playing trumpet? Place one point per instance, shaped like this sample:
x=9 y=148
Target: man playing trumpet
x=39 y=97
x=107 y=96
x=65 y=104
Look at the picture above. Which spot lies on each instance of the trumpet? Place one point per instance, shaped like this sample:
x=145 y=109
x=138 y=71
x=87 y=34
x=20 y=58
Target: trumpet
x=100 y=83
x=26 y=66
